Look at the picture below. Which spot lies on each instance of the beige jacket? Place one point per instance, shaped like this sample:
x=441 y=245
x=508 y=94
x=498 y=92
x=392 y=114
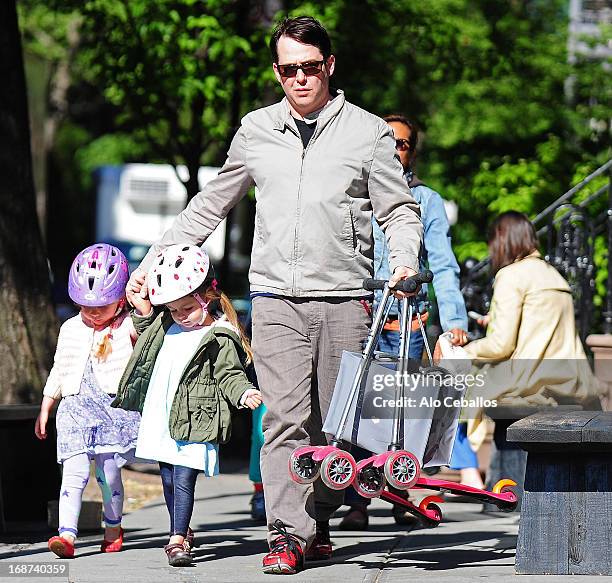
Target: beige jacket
x=313 y=231
x=532 y=354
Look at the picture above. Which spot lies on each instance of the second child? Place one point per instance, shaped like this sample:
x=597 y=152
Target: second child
x=186 y=372
x=92 y=350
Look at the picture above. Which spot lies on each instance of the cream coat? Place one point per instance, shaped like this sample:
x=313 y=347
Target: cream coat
x=532 y=354
x=76 y=342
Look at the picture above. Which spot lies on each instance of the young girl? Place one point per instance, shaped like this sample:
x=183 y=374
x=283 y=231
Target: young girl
x=93 y=349
x=186 y=370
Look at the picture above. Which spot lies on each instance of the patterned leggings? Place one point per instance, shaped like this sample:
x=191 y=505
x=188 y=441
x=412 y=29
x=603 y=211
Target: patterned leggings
x=75 y=476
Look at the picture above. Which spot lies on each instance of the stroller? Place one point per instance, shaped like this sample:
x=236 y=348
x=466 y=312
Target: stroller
x=409 y=441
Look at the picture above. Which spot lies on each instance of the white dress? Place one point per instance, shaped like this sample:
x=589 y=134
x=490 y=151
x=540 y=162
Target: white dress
x=154 y=441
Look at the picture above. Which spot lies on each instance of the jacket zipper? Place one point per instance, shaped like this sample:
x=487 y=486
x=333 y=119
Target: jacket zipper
x=297 y=223
x=297 y=210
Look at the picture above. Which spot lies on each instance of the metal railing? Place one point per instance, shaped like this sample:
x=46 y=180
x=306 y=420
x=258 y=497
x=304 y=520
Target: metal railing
x=567 y=230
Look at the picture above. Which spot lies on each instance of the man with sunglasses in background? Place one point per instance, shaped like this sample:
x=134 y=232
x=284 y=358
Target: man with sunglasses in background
x=322 y=168
x=437 y=254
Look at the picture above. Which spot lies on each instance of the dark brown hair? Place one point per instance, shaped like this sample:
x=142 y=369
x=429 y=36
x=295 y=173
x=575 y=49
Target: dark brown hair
x=512 y=236
x=414 y=131
x=304 y=29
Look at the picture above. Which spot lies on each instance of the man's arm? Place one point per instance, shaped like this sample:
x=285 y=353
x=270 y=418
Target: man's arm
x=394 y=207
x=210 y=206
x=444 y=265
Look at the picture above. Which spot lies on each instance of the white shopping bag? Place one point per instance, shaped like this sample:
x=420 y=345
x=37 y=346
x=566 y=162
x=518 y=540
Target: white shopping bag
x=429 y=417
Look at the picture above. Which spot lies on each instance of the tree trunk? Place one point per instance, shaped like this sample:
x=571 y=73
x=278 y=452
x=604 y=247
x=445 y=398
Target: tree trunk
x=28 y=326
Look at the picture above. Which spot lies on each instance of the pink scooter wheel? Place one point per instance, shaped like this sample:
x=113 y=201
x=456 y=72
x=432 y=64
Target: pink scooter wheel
x=338 y=470
x=402 y=470
x=369 y=481
x=302 y=468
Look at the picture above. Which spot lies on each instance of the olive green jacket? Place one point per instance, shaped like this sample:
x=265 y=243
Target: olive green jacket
x=213 y=380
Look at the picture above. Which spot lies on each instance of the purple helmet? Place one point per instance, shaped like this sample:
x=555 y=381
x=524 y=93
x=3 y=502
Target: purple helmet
x=98 y=276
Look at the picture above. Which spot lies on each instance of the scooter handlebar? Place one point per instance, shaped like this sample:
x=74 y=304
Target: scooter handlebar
x=408 y=285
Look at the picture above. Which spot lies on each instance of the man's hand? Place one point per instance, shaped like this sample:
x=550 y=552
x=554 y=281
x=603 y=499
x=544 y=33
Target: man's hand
x=142 y=305
x=400 y=274
x=137 y=284
x=459 y=337
x=137 y=292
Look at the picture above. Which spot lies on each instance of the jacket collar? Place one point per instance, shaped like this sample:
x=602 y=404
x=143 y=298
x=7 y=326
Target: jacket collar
x=283 y=118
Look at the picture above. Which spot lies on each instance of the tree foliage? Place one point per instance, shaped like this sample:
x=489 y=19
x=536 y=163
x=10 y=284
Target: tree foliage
x=175 y=72
x=485 y=82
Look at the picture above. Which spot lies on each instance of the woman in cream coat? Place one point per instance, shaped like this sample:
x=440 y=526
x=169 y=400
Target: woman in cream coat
x=532 y=354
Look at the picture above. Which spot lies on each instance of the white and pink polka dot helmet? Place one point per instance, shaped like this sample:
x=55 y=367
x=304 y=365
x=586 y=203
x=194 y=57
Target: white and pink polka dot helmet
x=177 y=271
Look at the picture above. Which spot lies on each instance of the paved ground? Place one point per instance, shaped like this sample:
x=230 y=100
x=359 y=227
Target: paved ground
x=468 y=545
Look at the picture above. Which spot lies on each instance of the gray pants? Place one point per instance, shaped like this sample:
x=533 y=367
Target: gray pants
x=298 y=345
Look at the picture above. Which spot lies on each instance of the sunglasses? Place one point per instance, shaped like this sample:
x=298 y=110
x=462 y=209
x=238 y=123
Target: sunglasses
x=402 y=145
x=308 y=68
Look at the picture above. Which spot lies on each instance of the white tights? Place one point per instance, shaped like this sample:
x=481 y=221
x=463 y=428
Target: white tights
x=75 y=476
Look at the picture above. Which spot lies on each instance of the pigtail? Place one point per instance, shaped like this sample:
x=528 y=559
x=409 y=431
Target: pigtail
x=218 y=303
x=105 y=347
x=232 y=317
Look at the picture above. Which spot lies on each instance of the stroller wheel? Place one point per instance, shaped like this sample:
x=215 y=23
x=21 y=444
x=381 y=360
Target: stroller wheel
x=302 y=468
x=338 y=470
x=402 y=470
x=369 y=482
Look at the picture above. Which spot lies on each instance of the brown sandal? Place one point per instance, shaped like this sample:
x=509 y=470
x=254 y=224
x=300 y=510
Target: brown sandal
x=189 y=542
x=177 y=555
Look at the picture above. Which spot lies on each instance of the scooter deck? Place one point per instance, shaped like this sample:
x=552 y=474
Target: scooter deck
x=505 y=500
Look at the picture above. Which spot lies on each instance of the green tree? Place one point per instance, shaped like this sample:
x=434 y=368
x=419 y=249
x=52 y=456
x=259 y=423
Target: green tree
x=485 y=83
x=178 y=72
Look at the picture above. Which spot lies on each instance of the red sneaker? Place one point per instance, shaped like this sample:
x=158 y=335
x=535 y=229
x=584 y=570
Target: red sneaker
x=321 y=547
x=113 y=546
x=62 y=547
x=285 y=556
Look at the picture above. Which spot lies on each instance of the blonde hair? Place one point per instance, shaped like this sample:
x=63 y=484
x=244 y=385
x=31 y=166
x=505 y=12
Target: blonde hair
x=212 y=294
x=105 y=347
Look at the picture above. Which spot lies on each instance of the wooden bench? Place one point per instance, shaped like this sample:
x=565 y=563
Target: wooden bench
x=566 y=515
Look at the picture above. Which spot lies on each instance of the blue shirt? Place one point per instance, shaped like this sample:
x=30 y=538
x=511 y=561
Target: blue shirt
x=436 y=254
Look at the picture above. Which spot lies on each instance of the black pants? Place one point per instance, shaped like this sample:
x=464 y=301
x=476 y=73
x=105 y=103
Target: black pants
x=179 y=490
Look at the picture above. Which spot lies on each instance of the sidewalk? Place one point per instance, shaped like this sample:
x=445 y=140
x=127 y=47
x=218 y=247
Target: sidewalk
x=467 y=545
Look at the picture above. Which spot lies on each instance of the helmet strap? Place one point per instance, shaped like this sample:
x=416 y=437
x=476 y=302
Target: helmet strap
x=203 y=305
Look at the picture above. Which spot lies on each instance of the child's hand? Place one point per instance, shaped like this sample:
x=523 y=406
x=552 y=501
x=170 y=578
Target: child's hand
x=40 y=429
x=142 y=305
x=251 y=398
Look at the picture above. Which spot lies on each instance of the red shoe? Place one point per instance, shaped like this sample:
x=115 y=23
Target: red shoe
x=62 y=547
x=285 y=556
x=321 y=547
x=113 y=546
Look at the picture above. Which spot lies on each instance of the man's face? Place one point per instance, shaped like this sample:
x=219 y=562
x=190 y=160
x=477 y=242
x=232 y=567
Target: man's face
x=306 y=92
x=402 y=138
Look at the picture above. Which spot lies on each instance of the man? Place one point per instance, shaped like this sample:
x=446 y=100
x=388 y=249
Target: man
x=438 y=254
x=321 y=166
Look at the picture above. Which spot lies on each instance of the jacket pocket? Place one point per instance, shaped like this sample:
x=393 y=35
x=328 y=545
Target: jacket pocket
x=349 y=231
x=203 y=418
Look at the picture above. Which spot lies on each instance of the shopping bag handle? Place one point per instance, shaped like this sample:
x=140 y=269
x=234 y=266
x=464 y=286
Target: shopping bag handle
x=408 y=285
